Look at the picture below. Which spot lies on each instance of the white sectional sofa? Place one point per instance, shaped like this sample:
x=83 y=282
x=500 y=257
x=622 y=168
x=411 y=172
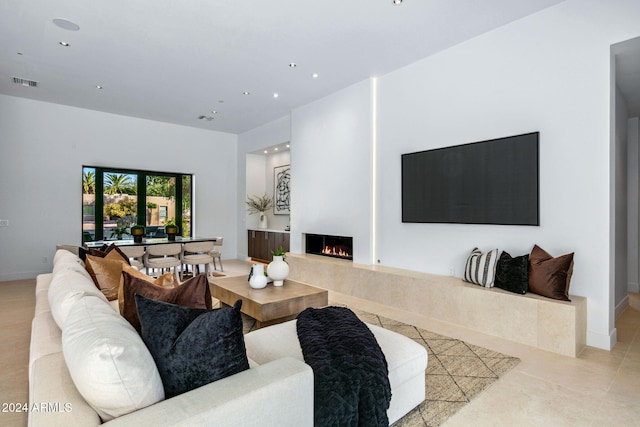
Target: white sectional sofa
x=277 y=390
x=406 y=360
x=243 y=399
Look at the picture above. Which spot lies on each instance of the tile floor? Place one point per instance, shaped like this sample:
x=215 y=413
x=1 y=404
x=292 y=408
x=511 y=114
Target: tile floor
x=598 y=388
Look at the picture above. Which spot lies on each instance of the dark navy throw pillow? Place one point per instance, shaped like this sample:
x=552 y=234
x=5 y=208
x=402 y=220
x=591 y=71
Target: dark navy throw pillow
x=512 y=273
x=192 y=346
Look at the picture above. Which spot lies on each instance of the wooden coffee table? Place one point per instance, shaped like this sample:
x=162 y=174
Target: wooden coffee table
x=270 y=305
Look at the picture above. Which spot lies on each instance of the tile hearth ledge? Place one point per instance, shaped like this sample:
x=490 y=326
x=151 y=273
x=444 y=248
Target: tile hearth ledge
x=529 y=319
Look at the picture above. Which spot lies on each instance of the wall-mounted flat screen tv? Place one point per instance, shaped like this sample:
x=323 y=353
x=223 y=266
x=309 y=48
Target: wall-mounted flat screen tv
x=488 y=182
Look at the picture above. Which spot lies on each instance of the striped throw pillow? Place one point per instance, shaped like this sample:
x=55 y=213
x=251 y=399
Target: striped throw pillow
x=481 y=268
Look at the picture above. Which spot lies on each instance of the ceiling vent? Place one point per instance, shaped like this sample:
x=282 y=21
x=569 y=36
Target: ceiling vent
x=25 y=82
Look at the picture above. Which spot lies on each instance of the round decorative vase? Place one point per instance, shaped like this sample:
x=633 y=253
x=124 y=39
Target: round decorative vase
x=137 y=231
x=278 y=270
x=258 y=280
x=263 y=220
x=171 y=232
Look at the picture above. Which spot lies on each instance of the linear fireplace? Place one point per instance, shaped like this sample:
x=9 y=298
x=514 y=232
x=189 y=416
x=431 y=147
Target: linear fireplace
x=331 y=246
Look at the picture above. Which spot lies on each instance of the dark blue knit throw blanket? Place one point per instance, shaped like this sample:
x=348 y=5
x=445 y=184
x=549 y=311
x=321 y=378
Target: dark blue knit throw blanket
x=350 y=371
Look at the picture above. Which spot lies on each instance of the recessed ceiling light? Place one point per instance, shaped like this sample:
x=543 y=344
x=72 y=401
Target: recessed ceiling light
x=275 y=95
x=246 y=93
x=214 y=112
x=397 y=1
x=292 y=65
x=265 y=151
x=287 y=145
x=276 y=149
x=66 y=24
x=314 y=75
x=98 y=87
x=65 y=44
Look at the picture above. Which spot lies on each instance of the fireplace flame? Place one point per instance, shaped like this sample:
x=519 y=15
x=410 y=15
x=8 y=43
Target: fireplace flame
x=335 y=251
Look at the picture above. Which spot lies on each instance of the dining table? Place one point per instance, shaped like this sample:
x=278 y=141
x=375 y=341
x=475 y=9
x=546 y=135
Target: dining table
x=148 y=241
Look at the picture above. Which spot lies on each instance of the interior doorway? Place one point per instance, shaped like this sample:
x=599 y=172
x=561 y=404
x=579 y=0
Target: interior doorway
x=625 y=138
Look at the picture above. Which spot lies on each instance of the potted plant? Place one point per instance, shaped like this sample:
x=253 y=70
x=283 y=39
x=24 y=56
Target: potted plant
x=121 y=228
x=118 y=231
x=259 y=205
x=171 y=228
x=278 y=269
x=280 y=252
x=137 y=231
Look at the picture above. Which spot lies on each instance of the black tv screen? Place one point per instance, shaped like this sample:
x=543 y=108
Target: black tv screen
x=488 y=182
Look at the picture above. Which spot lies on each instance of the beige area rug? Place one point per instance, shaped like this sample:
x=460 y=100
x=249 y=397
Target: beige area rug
x=456 y=371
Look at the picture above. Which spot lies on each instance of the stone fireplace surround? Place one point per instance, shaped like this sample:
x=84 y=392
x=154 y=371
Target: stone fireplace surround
x=529 y=319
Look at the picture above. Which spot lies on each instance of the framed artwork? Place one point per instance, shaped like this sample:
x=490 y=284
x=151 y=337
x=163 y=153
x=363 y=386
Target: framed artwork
x=281 y=189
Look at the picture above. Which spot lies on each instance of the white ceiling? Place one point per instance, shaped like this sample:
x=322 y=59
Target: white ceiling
x=173 y=61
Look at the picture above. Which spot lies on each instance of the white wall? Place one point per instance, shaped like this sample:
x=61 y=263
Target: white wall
x=276 y=132
x=44 y=146
x=549 y=72
x=331 y=169
x=259 y=181
x=256 y=186
x=633 y=162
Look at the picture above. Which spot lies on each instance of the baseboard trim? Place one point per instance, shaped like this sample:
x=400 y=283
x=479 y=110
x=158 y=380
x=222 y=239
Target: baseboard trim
x=602 y=341
x=622 y=305
x=20 y=276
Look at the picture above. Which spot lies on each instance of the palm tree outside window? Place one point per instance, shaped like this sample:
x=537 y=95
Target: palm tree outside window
x=114 y=199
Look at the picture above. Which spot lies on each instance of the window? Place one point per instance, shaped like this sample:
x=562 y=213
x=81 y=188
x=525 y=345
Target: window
x=114 y=199
x=163 y=213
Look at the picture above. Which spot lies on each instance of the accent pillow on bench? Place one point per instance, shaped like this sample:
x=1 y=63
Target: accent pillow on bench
x=512 y=274
x=481 y=268
x=549 y=276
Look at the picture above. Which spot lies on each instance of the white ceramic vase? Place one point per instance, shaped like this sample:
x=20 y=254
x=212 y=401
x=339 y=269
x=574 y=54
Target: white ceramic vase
x=258 y=280
x=278 y=270
x=263 y=220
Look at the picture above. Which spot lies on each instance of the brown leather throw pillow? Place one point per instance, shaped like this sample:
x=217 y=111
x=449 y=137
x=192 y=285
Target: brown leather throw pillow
x=193 y=293
x=549 y=276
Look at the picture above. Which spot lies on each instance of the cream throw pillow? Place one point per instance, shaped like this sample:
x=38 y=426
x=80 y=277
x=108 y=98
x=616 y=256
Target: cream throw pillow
x=63 y=255
x=108 y=361
x=67 y=287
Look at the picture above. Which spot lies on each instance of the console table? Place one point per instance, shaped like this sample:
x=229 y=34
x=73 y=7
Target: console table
x=262 y=242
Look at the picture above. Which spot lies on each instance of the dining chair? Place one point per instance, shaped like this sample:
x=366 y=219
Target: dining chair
x=135 y=254
x=163 y=256
x=196 y=253
x=217 y=253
